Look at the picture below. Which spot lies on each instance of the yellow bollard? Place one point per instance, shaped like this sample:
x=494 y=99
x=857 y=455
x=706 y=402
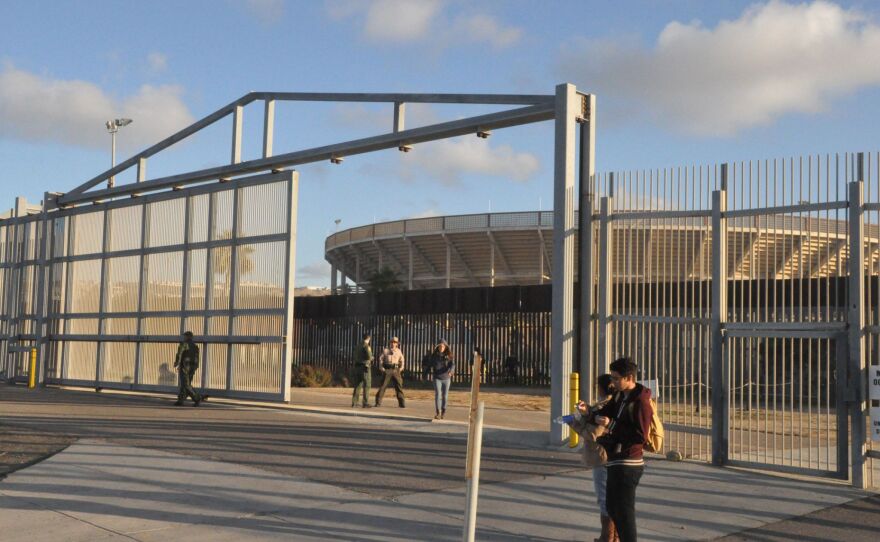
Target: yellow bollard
x=32 y=376
x=574 y=390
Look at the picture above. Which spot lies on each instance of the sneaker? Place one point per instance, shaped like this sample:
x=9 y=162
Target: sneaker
x=442 y=414
x=196 y=402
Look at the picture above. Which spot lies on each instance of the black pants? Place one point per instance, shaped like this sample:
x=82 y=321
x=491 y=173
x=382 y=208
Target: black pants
x=620 y=499
x=392 y=377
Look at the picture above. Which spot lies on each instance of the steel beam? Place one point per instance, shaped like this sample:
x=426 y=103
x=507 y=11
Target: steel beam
x=515 y=117
x=268 y=127
x=290 y=284
x=586 y=178
x=567 y=108
x=720 y=378
x=236 y=134
x=500 y=254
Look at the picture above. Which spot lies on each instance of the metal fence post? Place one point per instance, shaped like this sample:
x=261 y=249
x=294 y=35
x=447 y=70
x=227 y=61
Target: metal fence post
x=606 y=281
x=857 y=379
x=585 y=252
x=720 y=379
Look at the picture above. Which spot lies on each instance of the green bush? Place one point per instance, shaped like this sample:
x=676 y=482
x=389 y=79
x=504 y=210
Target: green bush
x=306 y=376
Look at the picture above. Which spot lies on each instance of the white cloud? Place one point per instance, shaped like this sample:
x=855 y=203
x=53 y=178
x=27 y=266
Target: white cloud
x=412 y=21
x=38 y=108
x=267 y=11
x=157 y=62
x=448 y=161
x=315 y=270
x=485 y=29
x=775 y=59
x=399 y=21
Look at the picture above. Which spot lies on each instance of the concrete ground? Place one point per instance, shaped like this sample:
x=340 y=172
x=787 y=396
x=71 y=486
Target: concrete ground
x=144 y=470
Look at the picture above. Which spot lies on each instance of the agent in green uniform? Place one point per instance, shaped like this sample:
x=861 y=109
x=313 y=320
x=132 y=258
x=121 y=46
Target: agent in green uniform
x=187 y=363
x=361 y=376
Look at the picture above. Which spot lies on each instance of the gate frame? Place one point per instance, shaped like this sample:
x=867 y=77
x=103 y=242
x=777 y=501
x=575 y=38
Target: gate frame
x=566 y=107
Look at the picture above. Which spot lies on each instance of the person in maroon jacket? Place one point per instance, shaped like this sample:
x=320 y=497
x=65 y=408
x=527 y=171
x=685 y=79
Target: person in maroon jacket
x=628 y=419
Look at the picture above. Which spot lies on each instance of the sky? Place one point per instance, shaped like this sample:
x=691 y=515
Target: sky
x=676 y=82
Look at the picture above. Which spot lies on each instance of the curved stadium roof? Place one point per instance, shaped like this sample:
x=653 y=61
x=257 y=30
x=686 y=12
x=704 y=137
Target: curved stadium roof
x=500 y=249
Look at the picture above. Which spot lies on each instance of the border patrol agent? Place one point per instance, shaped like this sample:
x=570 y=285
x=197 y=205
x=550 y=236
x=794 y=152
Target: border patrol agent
x=187 y=363
x=360 y=374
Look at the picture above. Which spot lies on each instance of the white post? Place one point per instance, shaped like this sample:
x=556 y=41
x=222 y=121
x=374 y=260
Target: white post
x=293 y=203
x=268 y=127
x=719 y=377
x=112 y=181
x=568 y=107
x=473 y=487
x=236 y=134
x=585 y=252
x=857 y=370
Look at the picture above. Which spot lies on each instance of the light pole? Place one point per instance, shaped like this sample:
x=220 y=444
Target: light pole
x=113 y=126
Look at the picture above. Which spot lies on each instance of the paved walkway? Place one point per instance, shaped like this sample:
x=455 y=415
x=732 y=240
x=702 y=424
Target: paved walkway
x=106 y=487
x=101 y=491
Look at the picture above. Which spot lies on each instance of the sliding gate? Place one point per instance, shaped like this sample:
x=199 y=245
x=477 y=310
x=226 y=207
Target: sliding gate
x=104 y=291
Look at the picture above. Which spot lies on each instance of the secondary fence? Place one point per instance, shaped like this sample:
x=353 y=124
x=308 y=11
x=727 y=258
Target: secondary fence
x=511 y=325
x=106 y=290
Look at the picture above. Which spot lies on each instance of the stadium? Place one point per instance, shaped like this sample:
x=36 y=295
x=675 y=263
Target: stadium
x=516 y=249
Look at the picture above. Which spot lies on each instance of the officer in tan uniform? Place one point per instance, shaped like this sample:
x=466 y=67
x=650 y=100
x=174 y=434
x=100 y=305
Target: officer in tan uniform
x=391 y=366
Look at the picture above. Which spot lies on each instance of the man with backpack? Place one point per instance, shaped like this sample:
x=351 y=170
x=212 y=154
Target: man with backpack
x=628 y=418
x=187 y=363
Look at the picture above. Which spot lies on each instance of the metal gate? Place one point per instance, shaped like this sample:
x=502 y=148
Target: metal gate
x=105 y=290
x=747 y=294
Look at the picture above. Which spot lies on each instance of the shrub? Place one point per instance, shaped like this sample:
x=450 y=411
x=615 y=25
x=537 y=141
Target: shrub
x=306 y=376
x=342 y=377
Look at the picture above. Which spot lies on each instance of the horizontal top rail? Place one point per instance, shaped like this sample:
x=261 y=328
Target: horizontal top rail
x=484 y=99
x=787 y=209
x=443 y=130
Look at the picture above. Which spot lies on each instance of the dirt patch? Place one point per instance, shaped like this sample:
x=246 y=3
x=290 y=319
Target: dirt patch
x=21 y=447
x=506 y=398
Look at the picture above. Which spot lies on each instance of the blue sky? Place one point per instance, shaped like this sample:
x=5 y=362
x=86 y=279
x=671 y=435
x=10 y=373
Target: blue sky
x=677 y=83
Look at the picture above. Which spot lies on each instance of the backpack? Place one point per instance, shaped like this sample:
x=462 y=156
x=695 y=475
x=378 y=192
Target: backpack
x=654 y=442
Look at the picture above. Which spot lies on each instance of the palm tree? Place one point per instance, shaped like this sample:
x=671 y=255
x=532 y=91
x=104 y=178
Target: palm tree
x=221 y=258
x=383 y=280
